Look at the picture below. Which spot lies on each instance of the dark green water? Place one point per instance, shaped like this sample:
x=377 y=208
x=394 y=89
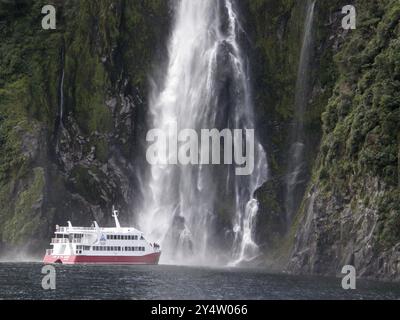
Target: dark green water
x=23 y=281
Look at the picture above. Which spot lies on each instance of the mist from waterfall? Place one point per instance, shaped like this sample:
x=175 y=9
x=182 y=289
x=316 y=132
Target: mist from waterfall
x=296 y=165
x=203 y=214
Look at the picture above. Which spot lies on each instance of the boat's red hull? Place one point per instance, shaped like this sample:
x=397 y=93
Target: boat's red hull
x=149 y=259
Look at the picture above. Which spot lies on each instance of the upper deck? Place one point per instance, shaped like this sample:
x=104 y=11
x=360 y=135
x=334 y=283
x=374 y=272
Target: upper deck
x=71 y=229
x=96 y=229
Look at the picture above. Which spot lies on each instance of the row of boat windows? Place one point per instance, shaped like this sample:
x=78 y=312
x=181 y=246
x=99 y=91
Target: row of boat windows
x=123 y=237
x=114 y=248
x=109 y=237
x=66 y=236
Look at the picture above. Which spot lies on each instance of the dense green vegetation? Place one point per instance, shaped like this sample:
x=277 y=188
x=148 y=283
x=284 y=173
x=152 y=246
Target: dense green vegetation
x=106 y=50
x=361 y=121
x=356 y=177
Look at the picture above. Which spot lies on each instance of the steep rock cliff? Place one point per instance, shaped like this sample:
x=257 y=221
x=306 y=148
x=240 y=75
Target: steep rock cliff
x=70 y=103
x=351 y=213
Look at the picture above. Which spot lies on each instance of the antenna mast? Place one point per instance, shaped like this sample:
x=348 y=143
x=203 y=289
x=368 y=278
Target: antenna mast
x=115 y=215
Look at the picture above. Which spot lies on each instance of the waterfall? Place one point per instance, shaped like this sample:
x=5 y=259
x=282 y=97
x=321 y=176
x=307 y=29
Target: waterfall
x=202 y=214
x=296 y=165
x=61 y=103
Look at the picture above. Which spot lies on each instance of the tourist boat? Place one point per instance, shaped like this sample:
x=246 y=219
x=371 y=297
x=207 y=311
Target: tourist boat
x=95 y=245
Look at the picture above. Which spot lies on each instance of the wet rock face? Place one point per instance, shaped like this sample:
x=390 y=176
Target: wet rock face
x=335 y=232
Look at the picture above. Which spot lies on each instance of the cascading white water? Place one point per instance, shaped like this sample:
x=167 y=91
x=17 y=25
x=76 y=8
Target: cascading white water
x=61 y=94
x=62 y=98
x=203 y=214
x=296 y=164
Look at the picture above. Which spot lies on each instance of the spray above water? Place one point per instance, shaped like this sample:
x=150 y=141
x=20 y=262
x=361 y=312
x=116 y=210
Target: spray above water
x=202 y=214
